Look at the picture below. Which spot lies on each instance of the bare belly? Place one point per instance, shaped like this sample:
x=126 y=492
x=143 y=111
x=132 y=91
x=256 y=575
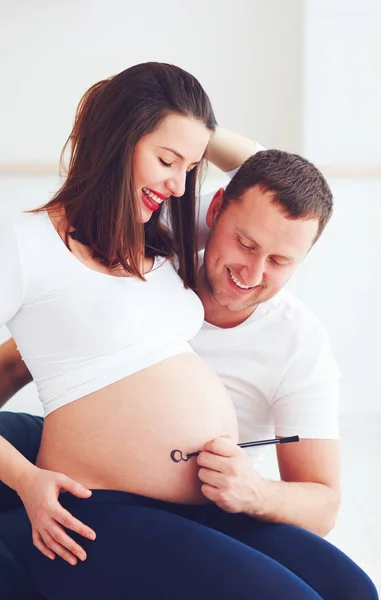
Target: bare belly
x=121 y=437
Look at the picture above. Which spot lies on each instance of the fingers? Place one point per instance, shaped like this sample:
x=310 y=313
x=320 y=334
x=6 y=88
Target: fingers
x=40 y=545
x=223 y=446
x=222 y=455
x=62 y=545
x=53 y=539
x=211 y=461
x=74 y=487
x=210 y=492
x=69 y=522
x=213 y=478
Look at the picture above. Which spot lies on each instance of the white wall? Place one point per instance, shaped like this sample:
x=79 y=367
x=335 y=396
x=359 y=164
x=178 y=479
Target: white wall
x=342 y=82
x=341 y=279
x=246 y=54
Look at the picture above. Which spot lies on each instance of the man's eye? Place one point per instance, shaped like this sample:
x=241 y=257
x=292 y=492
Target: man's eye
x=165 y=164
x=245 y=247
x=278 y=264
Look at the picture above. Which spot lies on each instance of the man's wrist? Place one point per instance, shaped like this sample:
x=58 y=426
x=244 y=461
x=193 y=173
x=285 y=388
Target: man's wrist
x=267 y=500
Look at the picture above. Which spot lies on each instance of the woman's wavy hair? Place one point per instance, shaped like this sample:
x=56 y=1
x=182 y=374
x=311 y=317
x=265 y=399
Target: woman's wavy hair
x=98 y=197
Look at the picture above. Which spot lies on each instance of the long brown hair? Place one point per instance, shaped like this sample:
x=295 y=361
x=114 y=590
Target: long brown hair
x=98 y=195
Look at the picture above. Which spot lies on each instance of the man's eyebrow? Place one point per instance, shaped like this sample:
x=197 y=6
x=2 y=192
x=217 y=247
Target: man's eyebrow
x=252 y=241
x=248 y=237
x=176 y=153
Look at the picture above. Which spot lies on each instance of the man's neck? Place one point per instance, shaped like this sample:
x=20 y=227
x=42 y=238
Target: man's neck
x=215 y=314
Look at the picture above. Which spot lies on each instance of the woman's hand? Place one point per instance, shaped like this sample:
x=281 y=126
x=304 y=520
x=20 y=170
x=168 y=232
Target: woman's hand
x=39 y=491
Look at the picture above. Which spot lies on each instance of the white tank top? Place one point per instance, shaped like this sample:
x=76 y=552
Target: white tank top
x=79 y=330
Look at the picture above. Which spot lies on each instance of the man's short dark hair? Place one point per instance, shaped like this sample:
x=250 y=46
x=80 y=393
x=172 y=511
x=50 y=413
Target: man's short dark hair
x=300 y=189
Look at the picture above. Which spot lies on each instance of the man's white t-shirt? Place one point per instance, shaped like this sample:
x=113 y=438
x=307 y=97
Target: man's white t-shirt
x=278 y=368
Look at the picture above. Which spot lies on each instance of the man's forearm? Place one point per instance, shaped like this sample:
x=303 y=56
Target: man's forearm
x=13 y=371
x=313 y=506
x=7 y=389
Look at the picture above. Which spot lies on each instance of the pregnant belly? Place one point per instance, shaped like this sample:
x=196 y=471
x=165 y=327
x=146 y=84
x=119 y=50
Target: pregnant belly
x=122 y=436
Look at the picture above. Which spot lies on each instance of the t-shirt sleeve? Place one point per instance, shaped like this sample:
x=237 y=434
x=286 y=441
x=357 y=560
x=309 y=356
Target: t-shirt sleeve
x=307 y=400
x=11 y=274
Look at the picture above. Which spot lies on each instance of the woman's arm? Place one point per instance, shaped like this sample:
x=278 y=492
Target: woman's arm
x=13 y=465
x=14 y=374
x=39 y=490
x=228 y=150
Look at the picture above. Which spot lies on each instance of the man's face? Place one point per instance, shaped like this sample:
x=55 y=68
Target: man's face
x=253 y=249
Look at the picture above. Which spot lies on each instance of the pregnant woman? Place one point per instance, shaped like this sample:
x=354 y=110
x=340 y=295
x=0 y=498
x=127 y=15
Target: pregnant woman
x=102 y=319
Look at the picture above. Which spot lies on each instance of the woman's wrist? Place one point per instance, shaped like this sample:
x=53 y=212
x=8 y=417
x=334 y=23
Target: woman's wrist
x=228 y=150
x=15 y=469
x=24 y=478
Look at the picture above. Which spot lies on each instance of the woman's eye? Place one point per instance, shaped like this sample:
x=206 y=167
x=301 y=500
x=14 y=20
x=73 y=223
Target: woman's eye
x=165 y=164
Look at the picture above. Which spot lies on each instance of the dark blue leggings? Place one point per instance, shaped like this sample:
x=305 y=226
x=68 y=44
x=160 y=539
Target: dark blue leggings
x=151 y=549
x=148 y=549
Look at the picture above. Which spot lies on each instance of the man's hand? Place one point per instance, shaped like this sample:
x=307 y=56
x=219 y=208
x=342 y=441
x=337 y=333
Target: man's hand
x=308 y=495
x=229 y=479
x=39 y=493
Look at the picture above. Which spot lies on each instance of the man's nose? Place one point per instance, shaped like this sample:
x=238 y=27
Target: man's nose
x=255 y=271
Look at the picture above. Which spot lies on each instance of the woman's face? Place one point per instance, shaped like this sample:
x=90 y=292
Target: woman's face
x=163 y=158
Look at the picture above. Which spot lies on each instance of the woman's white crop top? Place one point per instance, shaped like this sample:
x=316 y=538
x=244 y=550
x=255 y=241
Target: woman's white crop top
x=79 y=330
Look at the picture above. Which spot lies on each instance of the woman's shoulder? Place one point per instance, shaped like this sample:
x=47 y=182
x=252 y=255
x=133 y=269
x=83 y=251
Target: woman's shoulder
x=24 y=223
x=26 y=237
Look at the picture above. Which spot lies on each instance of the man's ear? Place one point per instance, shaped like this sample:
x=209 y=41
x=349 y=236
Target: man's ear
x=214 y=207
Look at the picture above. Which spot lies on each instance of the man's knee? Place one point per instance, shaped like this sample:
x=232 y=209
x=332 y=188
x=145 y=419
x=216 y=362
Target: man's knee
x=23 y=431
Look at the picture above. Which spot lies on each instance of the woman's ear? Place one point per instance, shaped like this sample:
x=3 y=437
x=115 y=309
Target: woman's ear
x=214 y=207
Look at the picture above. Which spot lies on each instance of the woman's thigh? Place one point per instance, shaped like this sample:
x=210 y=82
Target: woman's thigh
x=327 y=570
x=146 y=553
x=15 y=538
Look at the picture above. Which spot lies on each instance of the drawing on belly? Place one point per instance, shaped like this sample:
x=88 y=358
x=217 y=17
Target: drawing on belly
x=177 y=456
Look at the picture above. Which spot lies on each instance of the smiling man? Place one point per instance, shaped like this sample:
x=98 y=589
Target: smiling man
x=271 y=352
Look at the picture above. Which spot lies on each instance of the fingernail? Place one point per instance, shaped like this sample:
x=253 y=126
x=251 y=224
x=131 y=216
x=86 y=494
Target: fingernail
x=82 y=556
x=91 y=536
x=72 y=561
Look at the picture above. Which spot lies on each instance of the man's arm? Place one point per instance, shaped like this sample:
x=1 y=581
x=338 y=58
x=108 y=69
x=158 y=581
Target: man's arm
x=13 y=371
x=308 y=495
x=228 y=150
x=305 y=403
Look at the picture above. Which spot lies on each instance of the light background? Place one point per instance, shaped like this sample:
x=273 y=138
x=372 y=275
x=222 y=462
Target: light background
x=301 y=76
